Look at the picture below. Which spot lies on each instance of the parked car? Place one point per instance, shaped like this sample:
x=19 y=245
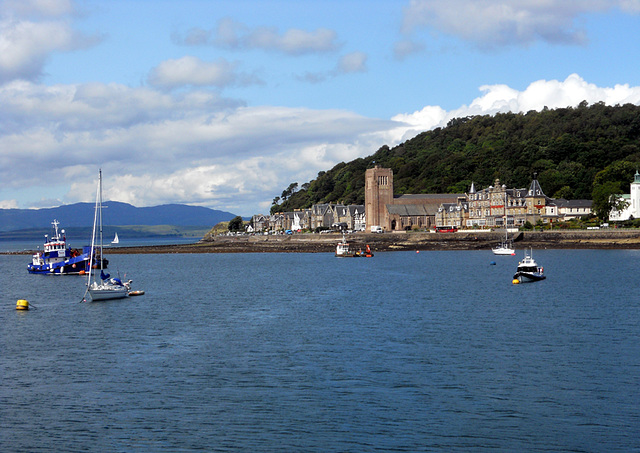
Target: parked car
x=376 y=229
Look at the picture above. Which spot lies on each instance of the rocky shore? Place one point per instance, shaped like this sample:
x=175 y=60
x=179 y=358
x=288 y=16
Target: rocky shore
x=323 y=243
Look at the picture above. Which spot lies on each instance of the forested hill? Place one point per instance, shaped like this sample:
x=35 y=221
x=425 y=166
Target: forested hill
x=577 y=153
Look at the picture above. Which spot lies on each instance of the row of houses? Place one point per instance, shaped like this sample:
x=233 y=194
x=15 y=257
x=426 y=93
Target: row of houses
x=319 y=216
x=492 y=207
x=498 y=205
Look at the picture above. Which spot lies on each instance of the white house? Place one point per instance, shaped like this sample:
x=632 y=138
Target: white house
x=572 y=209
x=633 y=200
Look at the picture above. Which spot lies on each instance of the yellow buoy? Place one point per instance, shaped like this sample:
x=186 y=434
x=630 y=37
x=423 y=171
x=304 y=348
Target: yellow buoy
x=515 y=281
x=22 y=304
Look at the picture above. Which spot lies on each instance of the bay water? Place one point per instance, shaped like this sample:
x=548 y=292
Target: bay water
x=406 y=351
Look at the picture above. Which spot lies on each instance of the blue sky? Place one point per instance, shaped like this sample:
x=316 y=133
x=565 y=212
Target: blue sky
x=225 y=103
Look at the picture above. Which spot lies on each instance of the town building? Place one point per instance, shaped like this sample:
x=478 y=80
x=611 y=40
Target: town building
x=399 y=213
x=571 y=209
x=493 y=207
x=633 y=203
x=497 y=205
x=319 y=216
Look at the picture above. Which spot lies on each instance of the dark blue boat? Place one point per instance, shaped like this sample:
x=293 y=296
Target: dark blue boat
x=57 y=258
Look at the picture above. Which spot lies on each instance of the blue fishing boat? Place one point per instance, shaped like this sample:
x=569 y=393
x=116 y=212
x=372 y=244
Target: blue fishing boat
x=58 y=258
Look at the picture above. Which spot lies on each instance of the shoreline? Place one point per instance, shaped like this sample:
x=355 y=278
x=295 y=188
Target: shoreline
x=397 y=241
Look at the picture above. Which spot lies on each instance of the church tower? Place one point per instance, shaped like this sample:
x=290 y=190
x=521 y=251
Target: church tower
x=378 y=193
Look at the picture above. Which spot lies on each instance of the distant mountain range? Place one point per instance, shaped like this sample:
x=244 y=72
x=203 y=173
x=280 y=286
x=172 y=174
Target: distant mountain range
x=80 y=215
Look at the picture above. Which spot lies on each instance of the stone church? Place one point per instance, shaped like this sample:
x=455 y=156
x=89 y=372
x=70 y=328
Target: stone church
x=403 y=212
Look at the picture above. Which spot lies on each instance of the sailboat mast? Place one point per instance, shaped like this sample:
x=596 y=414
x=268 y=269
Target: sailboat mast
x=506 y=231
x=100 y=215
x=93 y=237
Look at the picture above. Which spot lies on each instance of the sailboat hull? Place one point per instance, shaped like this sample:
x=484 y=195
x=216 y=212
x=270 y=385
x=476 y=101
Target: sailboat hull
x=108 y=292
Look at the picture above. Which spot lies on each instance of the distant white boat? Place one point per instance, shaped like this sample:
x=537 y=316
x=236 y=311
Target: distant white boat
x=504 y=248
x=115 y=240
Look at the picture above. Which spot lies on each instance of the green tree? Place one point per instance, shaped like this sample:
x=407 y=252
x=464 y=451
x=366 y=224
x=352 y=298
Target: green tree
x=606 y=198
x=236 y=224
x=563 y=192
x=286 y=193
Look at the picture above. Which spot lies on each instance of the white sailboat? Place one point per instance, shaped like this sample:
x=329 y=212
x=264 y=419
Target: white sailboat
x=115 y=239
x=506 y=246
x=106 y=288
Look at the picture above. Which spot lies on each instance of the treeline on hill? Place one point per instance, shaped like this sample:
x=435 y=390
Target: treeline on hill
x=587 y=152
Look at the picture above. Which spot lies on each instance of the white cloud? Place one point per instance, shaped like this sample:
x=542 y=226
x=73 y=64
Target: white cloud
x=191 y=71
x=231 y=34
x=9 y=204
x=158 y=148
x=402 y=49
x=501 y=98
x=26 y=45
x=630 y=6
x=198 y=148
x=352 y=62
x=491 y=23
x=37 y=8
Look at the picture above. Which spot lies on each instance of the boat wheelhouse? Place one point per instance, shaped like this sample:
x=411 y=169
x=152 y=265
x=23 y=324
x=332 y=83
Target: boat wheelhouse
x=58 y=258
x=528 y=269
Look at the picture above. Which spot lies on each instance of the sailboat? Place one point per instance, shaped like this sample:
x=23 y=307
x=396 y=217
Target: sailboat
x=115 y=239
x=506 y=246
x=107 y=288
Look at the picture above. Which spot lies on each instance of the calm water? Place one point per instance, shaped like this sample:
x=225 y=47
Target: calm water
x=37 y=244
x=435 y=351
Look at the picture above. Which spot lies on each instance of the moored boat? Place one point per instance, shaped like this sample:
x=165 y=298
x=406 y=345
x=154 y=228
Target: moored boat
x=528 y=269
x=344 y=250
x=107 y=288
x=504 y=248
x=58 y=258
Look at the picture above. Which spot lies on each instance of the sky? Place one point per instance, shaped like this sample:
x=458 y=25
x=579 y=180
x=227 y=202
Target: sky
x=224 y=103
